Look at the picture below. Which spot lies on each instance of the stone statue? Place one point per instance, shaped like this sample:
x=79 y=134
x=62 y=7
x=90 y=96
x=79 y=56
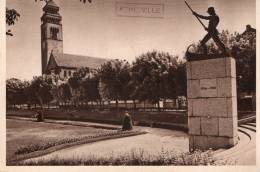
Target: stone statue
x=211 y=29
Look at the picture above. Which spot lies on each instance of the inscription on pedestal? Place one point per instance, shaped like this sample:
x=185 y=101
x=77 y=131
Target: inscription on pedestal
x=208 y=88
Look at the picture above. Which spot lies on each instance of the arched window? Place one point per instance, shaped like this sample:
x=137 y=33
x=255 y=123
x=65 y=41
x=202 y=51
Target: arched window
x=65 y=73
x=54 y=33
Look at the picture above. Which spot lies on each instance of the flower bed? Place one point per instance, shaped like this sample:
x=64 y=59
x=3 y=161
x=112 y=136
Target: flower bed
x=36 y=150
x=44 y=146
x=137 y=158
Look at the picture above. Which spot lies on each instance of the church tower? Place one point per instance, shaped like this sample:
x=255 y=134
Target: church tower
x=51 y=33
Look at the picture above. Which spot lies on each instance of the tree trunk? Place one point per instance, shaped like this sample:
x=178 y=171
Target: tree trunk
x=134 y=104
x=158 y=104
x=100 y=104
x=125 y=104
x=41 y=114
x=116 y=104
x=58 y=103
x=177 y=103
x=40 y=101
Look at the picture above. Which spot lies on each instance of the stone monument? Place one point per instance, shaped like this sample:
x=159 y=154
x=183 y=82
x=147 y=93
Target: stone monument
x=211 y=92
x=212 y=103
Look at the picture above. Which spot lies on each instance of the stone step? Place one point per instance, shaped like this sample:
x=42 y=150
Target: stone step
x=247 y=120
x=252 y=124
x=245 y=144
x=249 y=127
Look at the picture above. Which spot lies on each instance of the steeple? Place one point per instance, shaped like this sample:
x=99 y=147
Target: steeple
x=51 y=33
x=51 y=3
x=51 y=13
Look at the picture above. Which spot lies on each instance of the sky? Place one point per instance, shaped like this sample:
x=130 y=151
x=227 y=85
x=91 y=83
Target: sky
x=96 y=30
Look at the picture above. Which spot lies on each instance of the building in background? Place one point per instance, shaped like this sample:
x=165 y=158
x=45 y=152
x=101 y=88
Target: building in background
x=54 y=61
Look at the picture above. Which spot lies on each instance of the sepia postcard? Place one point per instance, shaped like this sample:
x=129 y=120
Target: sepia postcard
x=123 y=85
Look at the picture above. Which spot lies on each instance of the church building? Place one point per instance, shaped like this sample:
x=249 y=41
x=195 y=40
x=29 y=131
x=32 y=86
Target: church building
x=54 y=61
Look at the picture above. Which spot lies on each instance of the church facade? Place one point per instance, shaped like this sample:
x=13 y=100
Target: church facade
x=53 y=60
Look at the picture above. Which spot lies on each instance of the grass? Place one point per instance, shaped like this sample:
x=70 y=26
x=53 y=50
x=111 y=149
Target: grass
x=25 y=136
x=135 y=157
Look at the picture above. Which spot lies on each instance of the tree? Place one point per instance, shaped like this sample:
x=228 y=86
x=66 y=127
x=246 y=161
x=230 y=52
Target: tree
x=90 y=87
x=243 y=48
x=56 y=90
x=77 y=77
x=75 y=82
x=40 y=88
x=114 y=76
x=15 y=91
x=181 y=79
x=65 y=92
x=11 y=17
x=154 y=76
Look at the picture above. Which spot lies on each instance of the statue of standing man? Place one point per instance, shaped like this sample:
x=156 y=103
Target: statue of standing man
x=212 y=30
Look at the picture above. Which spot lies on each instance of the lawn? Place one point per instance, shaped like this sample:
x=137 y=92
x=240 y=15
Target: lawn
x=25 y=133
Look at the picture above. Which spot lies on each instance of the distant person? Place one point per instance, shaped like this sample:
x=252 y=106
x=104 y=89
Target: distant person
x=39 y=116
x=127 y=122
x=212 y=30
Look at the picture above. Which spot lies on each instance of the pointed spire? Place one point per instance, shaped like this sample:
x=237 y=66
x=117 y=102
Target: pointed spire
x=51 y=3
x=51 y=13
x=51 y=6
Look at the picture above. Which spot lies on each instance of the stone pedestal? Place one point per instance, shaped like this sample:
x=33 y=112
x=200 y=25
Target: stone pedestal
x=212 y=103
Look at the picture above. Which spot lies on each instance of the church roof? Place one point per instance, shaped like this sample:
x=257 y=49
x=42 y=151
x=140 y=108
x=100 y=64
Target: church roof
x=77 y=61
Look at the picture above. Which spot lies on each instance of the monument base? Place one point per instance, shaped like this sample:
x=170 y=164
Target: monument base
x=211 y=142
x=212 y=103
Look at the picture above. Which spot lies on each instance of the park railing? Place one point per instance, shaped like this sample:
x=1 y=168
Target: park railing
x=108 y=106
